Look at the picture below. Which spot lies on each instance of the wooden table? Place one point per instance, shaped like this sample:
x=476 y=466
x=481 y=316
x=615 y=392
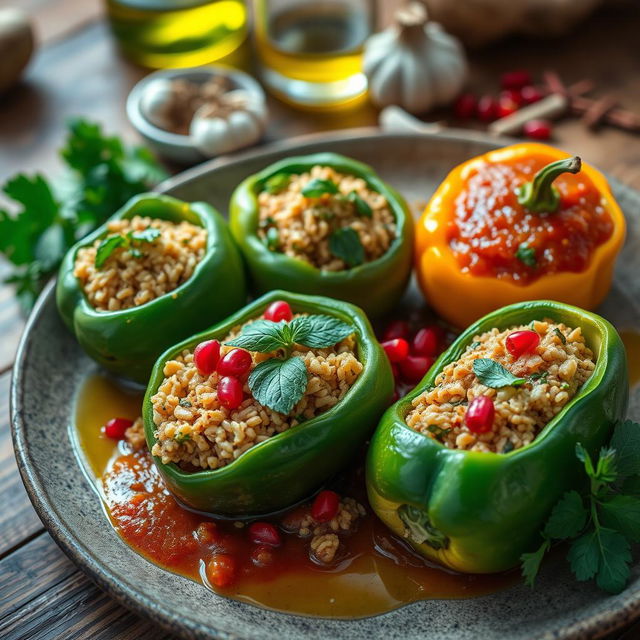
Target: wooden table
x=77 y=71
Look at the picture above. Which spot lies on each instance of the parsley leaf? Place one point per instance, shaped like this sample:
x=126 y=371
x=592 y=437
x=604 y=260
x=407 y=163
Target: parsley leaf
x=567 y=518
x=527 y=255
x=584 y=556
x=319 y=331
x=111 y=243
x=606 y=469
x=318 y=187
x=626 y=442
x=615 y=556
x=531 y=563
x=277 y=183
x=493 y=374
x=344 y=243
x=362 y=206
x=622 y=513
x=279 y=384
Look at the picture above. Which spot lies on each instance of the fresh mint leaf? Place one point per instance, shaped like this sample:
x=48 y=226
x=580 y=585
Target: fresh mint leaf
x=584 y=556
x=145 y=235
x=277 y=183
x=531 y=563
x=106 y=248
x=279 y=384
x=560 y=335
x=615 y=556
x=318 y=187
x=319 y=331
x=344 y=244
x=362 y=206
x=626 y=442
x=567 y=518
x=606 y=470
x=493 y=374
x=263 y=336
x=622 y=513
x=527 y=255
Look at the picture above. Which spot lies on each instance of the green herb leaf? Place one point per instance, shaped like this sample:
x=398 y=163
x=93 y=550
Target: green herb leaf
x=527 y=255
x=318 y=187
x=182 y=437
x=362 y=206
x=622 y=513
x=539 y=376
x=146 y=235
x=263 y=336
x=279 y=384
x=493 y=374
x=631 y=486
x=583 y=455
x=345 y=244
x=560 y=335
x=606 y=470
x=531 y=563
x=318 y=331
x=474 y=345
x=626 y=442
x=615 y=556
x=584 y=556
x=272 y=239
x=106 y=248
x=437 y=430
x=277 y=183
x=567 y=518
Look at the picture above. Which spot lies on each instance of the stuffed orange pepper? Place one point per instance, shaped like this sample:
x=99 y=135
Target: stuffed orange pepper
x=524 y=222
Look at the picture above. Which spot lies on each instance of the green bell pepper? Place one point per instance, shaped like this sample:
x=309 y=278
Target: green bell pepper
x=128 y=342
x=289 y=466
x=477 y=512
x=374 y=286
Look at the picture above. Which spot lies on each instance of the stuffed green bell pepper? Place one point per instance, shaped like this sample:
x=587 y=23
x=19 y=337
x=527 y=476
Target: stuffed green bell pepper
x=123 y=290
x=324 y=224
x=458 y=488
x=256 y=413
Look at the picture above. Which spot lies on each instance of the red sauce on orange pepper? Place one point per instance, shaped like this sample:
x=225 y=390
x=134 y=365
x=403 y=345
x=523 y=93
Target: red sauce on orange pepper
x=489 y=225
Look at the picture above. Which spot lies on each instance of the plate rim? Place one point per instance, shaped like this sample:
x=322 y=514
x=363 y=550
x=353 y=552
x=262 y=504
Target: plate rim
x=593 y=626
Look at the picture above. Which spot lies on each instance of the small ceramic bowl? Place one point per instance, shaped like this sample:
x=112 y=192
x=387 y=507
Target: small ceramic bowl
x=173 y=145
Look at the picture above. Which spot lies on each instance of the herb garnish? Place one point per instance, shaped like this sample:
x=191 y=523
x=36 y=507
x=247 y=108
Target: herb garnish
x=182 y=437
x=539 y=376
x=527 y=255
x=362 y=206
x=438 y=431
x=280 y=382
x=272 y=239
x=129 y=241
x=602 y=523
x=493 y=374
x=277 y=183
x=344 y=243
x=318 y=187
x=560 y=335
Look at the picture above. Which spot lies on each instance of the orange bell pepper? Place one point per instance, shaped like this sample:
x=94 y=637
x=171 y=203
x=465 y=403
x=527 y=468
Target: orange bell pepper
x=462 y=297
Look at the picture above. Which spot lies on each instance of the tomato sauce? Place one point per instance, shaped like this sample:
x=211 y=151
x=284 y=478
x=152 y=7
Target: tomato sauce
x=375 y=572
x=489 y=225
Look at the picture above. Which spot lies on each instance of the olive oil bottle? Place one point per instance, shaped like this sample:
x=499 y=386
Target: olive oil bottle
x=177 y=33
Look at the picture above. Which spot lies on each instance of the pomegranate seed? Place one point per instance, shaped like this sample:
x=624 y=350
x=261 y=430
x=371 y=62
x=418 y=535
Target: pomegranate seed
x=480 y=414
x=530 y=94
x=414 y=368
x=262 y=556
x=206 y=356
x=521 y=342
x=221 y=570
x=487 y=108
x=396 y=350
x=506 y=106
x=465 y=106
x=325 y=507
x=427 y=341
x=278 y=310
x=515 y=79
x=512 y=94
x=265 y=533
x=234 y=363
x=116 y=427
x=230 y=393
x=396 y=329
x=537 y=129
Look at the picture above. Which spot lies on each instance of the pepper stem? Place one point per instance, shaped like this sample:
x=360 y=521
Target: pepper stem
x=540 y=195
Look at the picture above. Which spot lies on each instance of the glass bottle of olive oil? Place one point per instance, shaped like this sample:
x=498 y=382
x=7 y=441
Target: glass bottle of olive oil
x=177 y=33
x=311 y=52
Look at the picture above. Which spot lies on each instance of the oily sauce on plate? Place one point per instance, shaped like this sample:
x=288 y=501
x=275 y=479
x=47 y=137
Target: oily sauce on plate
x=375 y=573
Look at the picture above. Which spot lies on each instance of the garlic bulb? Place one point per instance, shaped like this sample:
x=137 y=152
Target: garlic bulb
x=414 y=64
x=236 y=121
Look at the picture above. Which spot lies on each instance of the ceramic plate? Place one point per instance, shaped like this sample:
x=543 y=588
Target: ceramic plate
x=51 y=367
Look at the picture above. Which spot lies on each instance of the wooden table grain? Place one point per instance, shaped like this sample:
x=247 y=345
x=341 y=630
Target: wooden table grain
x=78 y=71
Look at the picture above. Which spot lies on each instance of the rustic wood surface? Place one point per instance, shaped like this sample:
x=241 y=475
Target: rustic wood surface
x=77 y=71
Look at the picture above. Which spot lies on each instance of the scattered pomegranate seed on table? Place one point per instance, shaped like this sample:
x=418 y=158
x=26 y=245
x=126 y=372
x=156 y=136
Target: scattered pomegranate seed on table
x=234 y=363
x=414 y=368
x=427 y=341
x=465 y=106
x=396 y=349
x=487 y=108
x=480 y=415
x=206 y=356
x=537 y=129
x=520 y=342
x=396 y=329
x=515 y=79
x=529 y=95
x=230 y=393
x=325 y=506
x=116 y=427
x=506 y=106
x=278 y=310
x=265 y=533
x=512 y=94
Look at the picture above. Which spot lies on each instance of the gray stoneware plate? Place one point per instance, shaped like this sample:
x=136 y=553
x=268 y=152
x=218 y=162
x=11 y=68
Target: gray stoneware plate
x=42 y=408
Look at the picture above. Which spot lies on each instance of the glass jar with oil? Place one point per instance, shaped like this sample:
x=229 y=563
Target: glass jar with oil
x=177 y=33
x=311 y=52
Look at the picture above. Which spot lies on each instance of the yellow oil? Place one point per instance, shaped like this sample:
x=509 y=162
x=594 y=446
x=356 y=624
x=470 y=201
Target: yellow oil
x=177 y=33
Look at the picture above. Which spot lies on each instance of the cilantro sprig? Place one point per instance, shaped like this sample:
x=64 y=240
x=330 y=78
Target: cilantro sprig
x=102 y=174
x=602 y=523
x=280 y=382
x=130 y=241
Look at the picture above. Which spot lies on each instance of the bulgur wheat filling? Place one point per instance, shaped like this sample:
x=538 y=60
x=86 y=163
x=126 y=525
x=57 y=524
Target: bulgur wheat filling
x=149 y=257
x=195 y=430
x=543 y=380
x=339 y=224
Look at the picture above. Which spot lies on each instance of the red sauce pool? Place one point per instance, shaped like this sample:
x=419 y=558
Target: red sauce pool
x=489 y=224
x=375 y=573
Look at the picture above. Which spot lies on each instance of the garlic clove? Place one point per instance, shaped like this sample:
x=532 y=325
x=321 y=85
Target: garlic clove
x=155 y=101
x=215 y=135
